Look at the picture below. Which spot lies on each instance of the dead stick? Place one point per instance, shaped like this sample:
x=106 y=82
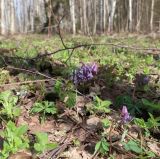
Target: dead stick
x=29 y=71
x=27 y=82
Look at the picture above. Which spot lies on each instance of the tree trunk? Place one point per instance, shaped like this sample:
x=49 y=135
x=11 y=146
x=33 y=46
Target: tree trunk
x=152 y=15
x=104 y=15
x=111 y=8
x=72 y=12
x=95 y=17
x=101 y=16
x=139 y=15
x=130 y=16
x=84 y=17
x=4 y=17
x=81 y=15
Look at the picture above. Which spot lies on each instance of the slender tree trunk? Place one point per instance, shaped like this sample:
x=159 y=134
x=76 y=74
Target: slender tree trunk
x=101 y=16
x=4 y=15
x=49 y=18
x=104 y=15
x=81 y=15
x=111 y=7
x=95 y=17
x=130 y=15
x=84 y=17
x=152 y=15
x=32 y=17
x=13 y=29
x=72 y=12
x=139 y=15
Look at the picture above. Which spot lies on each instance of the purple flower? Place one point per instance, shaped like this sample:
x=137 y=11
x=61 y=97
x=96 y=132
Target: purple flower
x=84 y=73
x=125 y=115
x=94 y=68
x=145 y=80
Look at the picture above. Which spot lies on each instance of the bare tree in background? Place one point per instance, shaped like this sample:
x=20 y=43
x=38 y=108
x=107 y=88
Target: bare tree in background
x=130 y=16
x=152 y=15
x=95 y=17
x=139 y=15
x=72 y=13
x=86 y=16
x=111 y=10
x=104 y=15
x=19 y=15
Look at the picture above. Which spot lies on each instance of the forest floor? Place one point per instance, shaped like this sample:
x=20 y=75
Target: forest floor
x=79 y=97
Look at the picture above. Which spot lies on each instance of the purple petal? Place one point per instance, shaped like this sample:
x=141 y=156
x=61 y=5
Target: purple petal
x=125 y=115
x=84 y=73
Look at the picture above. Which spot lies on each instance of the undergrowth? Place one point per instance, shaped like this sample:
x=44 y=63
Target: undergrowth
x=108 y=92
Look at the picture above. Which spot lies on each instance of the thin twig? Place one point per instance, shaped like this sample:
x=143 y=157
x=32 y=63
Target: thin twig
x=70 y=56
x=27 y=82
x=29 y=71
x=59 y=32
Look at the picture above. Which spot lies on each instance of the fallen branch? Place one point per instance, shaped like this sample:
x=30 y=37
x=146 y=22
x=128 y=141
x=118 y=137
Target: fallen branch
x=29 y=71
x=27 y=82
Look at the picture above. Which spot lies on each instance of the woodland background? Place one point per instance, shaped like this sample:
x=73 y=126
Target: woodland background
x=87 y=17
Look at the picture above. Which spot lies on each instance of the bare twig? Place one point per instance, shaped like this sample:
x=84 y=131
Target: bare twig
x=70 y=56
x=27 y=82
x=29 y=71
x=59 y=32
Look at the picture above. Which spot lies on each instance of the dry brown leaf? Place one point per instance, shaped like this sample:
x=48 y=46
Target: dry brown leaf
x=80 y=134
x=93 y=123
x=154 y=147
x=21 y=155
x=35 y=126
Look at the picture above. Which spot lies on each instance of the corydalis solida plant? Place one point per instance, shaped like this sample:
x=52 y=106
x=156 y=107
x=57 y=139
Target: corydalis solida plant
x=125 y=115
x=84 y=73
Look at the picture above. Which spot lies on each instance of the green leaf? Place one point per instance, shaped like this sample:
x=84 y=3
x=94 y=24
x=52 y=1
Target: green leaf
x=150 y=154
x=42 y=137
x=4 y=96
x=106 y=123
x=106 y=103
x=9 y=101
x=105 y=145
x=36 y=109
x=16 y=111
x=51 y=146
x=18 y=142
x=101 y=105
x=21 y=130
x=140 y=122
x=11 y=125
x=133 y=146
x=52 y=110
x=98 y=146
x=57 y=87
x=14 y=139
x=42 y=143
x=70 y=99
x=38 y=147
x=151 y=104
